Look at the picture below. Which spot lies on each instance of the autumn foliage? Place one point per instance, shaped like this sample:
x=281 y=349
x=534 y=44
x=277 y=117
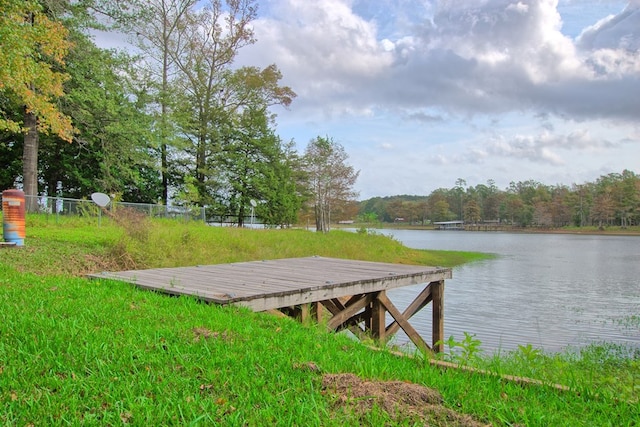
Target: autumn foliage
x=32 y=48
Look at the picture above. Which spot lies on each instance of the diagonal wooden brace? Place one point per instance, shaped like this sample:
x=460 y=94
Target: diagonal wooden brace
x=355 y=305
x=413 y=335
x=424 y=298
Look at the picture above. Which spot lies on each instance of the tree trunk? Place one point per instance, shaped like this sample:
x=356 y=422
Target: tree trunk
x=322 y=217
x=165 y=179
x=319 y=218
x=241 y=213
x=30 y=162
x=201 y=163
x=164 y=113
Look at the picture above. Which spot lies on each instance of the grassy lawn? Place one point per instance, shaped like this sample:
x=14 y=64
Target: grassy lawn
x=80 y=352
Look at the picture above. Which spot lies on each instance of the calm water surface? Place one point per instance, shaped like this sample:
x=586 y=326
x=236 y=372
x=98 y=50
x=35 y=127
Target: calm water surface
x=551 y=291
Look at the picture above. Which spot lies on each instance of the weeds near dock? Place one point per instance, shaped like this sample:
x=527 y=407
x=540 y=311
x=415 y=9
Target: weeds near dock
x=463 y=352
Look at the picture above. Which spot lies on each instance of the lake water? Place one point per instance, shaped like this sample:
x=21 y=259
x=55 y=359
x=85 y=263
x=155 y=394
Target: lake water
x=549 y=290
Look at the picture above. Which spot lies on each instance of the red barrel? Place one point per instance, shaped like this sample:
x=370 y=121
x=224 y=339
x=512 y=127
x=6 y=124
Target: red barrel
x=13 y=214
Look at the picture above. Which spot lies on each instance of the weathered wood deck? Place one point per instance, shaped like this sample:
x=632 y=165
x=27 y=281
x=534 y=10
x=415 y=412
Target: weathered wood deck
x=352 y=292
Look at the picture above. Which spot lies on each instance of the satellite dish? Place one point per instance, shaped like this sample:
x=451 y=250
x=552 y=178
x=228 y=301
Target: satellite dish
x=253 y=203
x=100 y=199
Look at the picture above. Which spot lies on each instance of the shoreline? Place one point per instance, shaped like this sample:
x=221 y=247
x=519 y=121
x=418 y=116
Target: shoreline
x=608 y=231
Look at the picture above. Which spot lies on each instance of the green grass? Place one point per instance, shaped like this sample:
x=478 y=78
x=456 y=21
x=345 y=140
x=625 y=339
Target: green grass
x=80 y=352
x=68 y=246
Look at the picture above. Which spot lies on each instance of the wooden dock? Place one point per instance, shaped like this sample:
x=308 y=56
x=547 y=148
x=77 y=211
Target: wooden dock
x=347 y=294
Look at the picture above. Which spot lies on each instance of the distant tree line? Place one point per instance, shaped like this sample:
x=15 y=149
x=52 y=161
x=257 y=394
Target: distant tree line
x=613 y=199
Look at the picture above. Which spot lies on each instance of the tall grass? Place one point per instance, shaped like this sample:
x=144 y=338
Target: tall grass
x=68 y=245
x=80 y=352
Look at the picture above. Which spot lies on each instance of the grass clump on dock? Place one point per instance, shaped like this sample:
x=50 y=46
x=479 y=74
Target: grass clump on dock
x=75 y=351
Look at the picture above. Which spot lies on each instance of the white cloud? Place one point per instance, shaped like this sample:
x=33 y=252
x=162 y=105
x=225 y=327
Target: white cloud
x=325 y=50
x=518 y=7
x=543 y=147
x=614 y=31
x=470 y=57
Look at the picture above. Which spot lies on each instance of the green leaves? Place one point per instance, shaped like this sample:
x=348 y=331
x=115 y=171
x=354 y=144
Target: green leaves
x=112 y=152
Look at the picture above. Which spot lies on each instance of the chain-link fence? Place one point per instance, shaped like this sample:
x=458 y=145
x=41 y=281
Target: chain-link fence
x=65 y=206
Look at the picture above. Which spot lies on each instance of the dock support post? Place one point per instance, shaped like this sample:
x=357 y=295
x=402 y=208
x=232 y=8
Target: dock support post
x=378 y=322
x=305 y=310
x=317 y=309
x=437 y=294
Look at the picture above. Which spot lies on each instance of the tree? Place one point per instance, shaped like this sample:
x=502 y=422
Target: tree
x=472 y=212
x=35 y=42
x=376 y=206
x=560 y=208
x=368 y=218
x=542 y=213
x=156 y=33
x=628 y=197
x=330 y=178
x=423 y=211
x=603 y=208
x=457 y=200
x=111 y=152
x=439 y=206
x=32 y=52
x=253 y=165
x=489 y=200
x=285 y=192
x=201 y=43
x=395 y=209
x=204 y=48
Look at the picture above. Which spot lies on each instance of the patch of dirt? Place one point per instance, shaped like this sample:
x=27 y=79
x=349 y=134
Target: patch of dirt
x=202 y=333
x=106 y=262
x=402 y=401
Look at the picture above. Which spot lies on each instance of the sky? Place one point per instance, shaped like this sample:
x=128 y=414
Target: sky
x=423 y=93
